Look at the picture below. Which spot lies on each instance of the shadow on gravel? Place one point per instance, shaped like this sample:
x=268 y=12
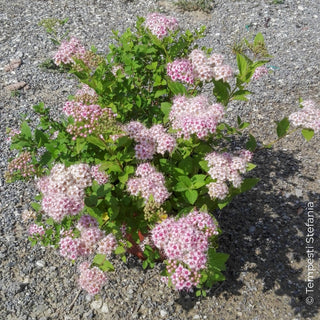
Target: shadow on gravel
x=265 y=232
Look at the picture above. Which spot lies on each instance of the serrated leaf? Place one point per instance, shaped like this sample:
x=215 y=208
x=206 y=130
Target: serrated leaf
x=91 y=201
x=180 y=186
x=25 y=130
x=185 y=180
x=187 y=165
x=307 y=133
x=160 y=93
x=36 y=206
x=120 y=250
x=204 y=165
x=250 y=166
x=107 y=266
x=177 y=87
x=99 y=258
x=251 y=145
x=282 y=127
x=191 y=195
x=248 y=184
x=97 y=142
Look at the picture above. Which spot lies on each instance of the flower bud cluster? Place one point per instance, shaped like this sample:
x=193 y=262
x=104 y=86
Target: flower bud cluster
x=86 y=118
x=226 y=167
x=86 y=95
x=160 y=25
x=148 y=182
x=260 y=72
x=91 y=279
x=63 y=190
x=35 y=229
x=308 y=117
x=100 y=176
x=11 y=133
x=150 y=141
x=21 y=165
x=68 y=50
x=185 y=243
x=195 y=116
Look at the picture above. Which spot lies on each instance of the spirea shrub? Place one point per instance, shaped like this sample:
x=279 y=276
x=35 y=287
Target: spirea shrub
x=141 y=159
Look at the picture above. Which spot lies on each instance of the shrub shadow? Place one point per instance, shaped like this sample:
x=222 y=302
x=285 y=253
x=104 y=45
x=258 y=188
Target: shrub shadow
x=264 y=232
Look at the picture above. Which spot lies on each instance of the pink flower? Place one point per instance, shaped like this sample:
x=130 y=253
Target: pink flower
x=159 y=24
x=68 y=50
x=181 y=69
x=35 y=229
x=91 y=279
x=260 y=72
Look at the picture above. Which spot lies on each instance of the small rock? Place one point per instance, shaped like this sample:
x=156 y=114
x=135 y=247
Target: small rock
x=298 y=193
x=252 y=229
x=163 y=313
x=105 y=308
x=300 y=8
x=16 y=86
x=96 y=304
x=196 y=316
x=40 y=263
x=14 y=64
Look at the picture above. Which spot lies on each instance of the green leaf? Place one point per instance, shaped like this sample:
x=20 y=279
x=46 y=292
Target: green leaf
x=99 y=258
x=242 y=65
x=39 y=108
x=36 y=206
x=107 y=266
x=25 y=130
x=120 y=250
x=217 y=259
x=307 y=133
x=282 y=127
x=180 y=186
x=41 y=138
x=250 y=166
x=177 y=87
x=221 y=91
x=160 y=93
x=248 y=184
x=145 y=264
x=241 y=95
x=258 y=39
x=97 y=142
x=186 y=180
x=252 y=143
x=198 y=181
x=187 y=165
x=166 y=108
x=91 y=201
x=204 y=165
x=191 y=195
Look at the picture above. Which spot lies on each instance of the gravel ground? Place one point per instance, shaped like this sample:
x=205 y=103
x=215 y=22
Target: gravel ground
x=264 y=229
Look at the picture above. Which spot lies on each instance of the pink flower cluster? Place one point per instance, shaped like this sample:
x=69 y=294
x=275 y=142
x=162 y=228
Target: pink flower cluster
x=260 y=72
x=86 y=117
x=86 y=95
x=35 y=229
x=226 y=167
x=63 y=190
x=100 y=176
x=208 y=68
x=91 y=279
x=148 y=182
x=185 y=243
x=22 y=165
x=91 y=240
x=150 y=141
x=160 y=25
x=195 y=116
x=181 y=69
x=11 y=133
x=68 y=50
x=308 y=117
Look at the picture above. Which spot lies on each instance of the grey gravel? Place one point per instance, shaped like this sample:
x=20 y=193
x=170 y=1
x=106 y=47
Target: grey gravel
x=263 y=230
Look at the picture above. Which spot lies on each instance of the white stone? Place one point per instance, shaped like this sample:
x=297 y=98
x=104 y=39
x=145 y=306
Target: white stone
x=96 y=304
x=163 y=313
x=105 y=308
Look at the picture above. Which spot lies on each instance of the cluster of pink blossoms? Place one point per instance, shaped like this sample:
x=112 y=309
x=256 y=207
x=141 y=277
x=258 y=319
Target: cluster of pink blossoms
x=181 y=69
x=100 y=176
x=160 y=25
x=35 y=229
x=86 y=117
x=208 y=68
x=91 y=279
x=226 y=167
x=11 y=133
x=308 y=117
x=63 y=190
x=199 y=66
x=68 y=50
x=86 y=95
x=260 y=72
x=22 y=165
x=150 y=141
x=185 y=243
x=195 y=116
x=91 y=240
x=148 y=182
